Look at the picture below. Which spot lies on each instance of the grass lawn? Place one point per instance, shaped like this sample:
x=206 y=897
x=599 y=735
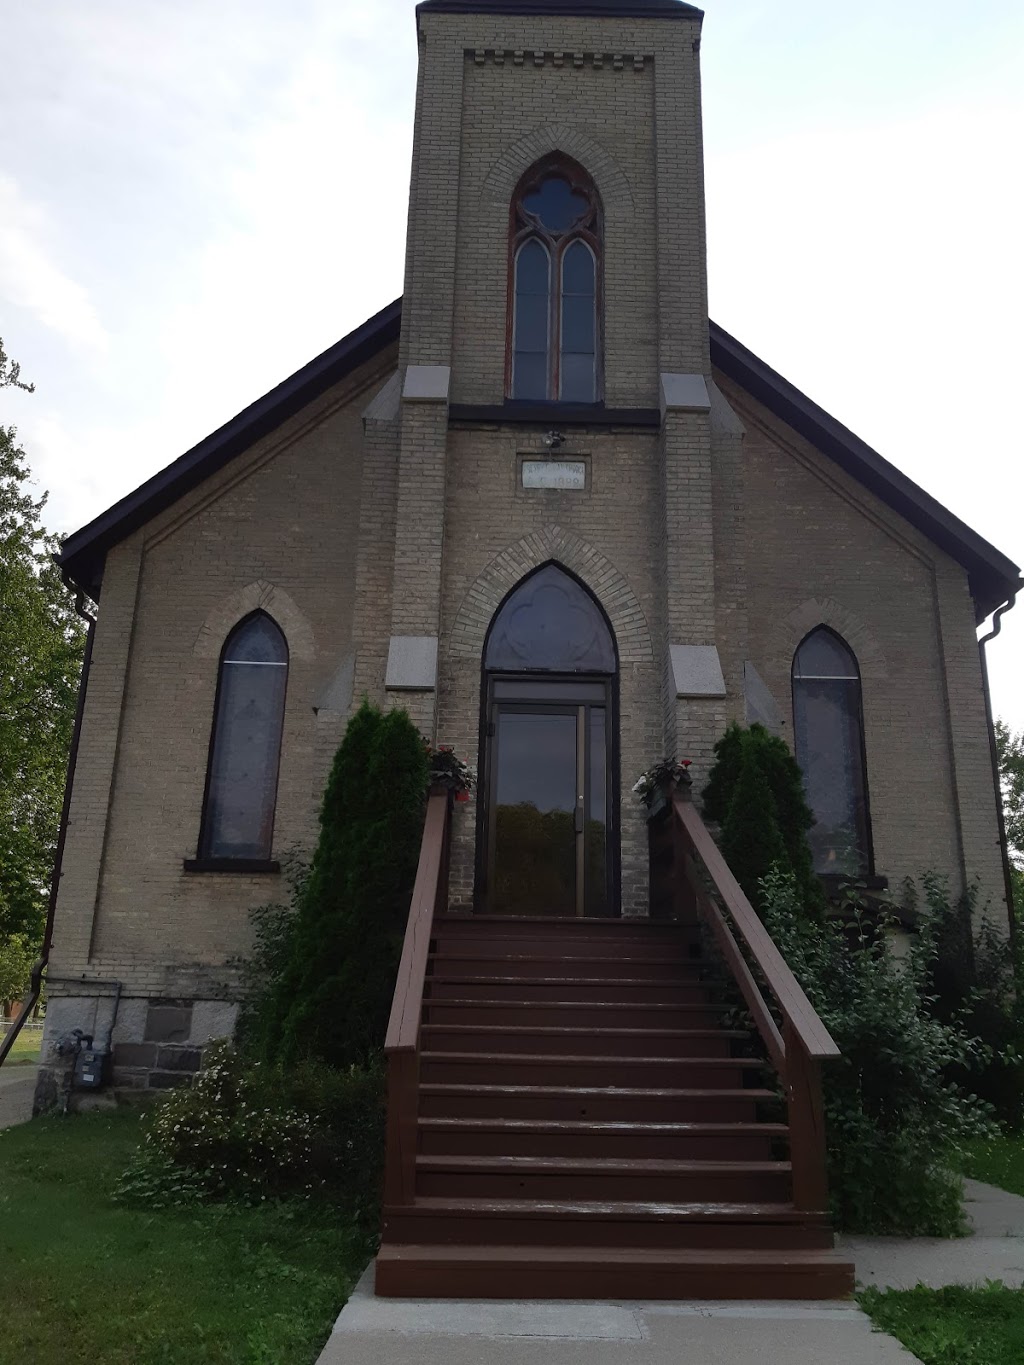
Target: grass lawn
x=999 y=1161
x=25 y=1051
x=953 y=1326
x=85 y=1280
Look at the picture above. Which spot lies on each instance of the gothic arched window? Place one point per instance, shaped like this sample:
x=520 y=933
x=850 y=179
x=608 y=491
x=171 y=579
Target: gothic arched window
x=829 y=734
x=245 y=750
x=555 y=285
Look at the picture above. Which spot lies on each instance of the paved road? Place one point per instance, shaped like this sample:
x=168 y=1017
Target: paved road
x=17 y=1086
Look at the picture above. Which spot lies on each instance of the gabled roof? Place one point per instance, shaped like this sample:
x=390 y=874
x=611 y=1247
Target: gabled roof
x=597 y=9
x=993 y=577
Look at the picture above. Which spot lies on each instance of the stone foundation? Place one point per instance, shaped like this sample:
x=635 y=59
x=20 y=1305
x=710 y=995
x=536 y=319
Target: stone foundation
x=157 y=1043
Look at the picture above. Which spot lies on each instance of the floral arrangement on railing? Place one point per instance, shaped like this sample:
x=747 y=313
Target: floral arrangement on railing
x=662 y=778
x=448 y=770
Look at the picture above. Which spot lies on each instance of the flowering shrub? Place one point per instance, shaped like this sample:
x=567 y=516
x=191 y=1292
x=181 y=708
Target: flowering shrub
x=448 y=770
x=670 y=772
x=249 y=1132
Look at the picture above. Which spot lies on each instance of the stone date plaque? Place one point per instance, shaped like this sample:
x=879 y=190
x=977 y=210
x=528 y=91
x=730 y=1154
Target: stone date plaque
x=555 y=474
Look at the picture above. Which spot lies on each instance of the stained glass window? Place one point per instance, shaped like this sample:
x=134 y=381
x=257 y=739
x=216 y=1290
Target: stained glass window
x=556 y=275
x=550 y=622
x=830 y=750
x=241 y=790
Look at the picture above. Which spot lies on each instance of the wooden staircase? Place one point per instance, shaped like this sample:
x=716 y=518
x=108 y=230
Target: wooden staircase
x=569 y=1118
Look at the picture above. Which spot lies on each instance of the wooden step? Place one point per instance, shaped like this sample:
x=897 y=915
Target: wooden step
x=608 y=1178
x=626 y=966
x=447 y=982
x=553 y=946
x=586 y=1272
x=568 y=1102
x=585 y=1138
x=569 y=1040
x=510 y=1068
x=563 y=1222
x=530 y=926
x=576 y=1013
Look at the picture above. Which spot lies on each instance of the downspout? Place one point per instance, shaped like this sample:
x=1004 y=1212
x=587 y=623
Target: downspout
x=997 y=625
x=36 y=980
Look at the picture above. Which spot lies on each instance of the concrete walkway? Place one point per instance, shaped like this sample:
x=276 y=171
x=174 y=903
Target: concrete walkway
x=372 y=1331
x=17 y=1087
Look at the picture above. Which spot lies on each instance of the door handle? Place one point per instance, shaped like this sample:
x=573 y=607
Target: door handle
x=579 y=817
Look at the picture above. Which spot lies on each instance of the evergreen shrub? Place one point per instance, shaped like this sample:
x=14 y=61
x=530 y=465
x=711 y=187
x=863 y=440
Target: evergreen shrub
x=895 y=1121
x=755 y=794
x=333 y=996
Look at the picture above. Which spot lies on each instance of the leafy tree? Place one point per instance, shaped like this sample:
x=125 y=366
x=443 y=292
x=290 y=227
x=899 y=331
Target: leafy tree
x=755 y=792
x=1010 y=750
x=41 y=642
x=332 y=999
x=17 y=957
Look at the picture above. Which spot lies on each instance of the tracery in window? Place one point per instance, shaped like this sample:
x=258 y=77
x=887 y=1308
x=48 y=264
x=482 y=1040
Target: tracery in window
x=829 y=735
x=245 y=751
x=555 y=285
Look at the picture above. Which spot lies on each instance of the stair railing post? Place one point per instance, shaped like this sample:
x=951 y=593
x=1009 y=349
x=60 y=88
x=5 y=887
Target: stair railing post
x=806 y=1125
x=684 y=893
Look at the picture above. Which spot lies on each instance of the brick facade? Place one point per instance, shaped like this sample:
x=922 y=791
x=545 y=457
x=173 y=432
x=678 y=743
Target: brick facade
x=380 y=512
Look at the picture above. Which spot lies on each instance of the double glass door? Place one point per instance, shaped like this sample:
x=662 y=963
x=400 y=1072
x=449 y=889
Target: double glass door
x=549 y=841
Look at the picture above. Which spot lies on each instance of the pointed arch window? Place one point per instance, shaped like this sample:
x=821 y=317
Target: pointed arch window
x=555 y=285
x=829 y=733
x=245 y=748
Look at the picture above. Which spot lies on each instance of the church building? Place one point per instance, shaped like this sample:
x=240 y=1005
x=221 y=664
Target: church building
x=546 y=505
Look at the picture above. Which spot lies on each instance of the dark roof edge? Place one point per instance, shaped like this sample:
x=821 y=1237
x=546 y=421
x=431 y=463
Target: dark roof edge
x=993 y=576
x=587 y=9
x=84 y=551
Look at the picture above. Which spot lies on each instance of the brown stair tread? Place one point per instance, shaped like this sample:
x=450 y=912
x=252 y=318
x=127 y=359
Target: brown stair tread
x=560 y=1255
x=487 y=954
x=711 y=1129
x=450 y=978
x=663 y=1006
x=568 y=1031
x=584 y=1091
x=609 y=922
x=708 y=1211
x=584 y=1059
x=598 y=1165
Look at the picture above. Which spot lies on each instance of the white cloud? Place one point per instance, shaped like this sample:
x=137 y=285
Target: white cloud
x=31 y=279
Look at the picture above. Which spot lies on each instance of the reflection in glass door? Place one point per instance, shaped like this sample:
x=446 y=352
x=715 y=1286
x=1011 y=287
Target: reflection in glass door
x=548 y=803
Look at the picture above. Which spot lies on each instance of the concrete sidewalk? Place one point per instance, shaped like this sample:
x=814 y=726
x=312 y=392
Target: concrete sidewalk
x=373 y=1331
x=17 y=1088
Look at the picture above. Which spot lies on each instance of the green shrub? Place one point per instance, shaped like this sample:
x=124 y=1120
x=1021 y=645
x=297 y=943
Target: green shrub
x=895 y=1122
x=332 y=997
x=247 y=1132
x=975 y=978
x=755 y=793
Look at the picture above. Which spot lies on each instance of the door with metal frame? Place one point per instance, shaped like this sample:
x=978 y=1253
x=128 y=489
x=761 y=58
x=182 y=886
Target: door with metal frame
x=549 y=815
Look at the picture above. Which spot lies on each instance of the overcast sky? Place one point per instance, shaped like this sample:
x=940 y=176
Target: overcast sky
x=197 y=196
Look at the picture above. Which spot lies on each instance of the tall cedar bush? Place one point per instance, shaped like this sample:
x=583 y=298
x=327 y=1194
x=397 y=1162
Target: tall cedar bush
x=332 y=999
x=895 y=1121
x=755 y=793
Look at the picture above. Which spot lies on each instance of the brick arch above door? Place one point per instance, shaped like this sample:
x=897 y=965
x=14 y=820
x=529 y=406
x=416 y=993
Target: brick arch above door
x=553 y=545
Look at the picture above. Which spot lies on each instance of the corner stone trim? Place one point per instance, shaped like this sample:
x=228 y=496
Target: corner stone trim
x=258 y=596
x=553 y=544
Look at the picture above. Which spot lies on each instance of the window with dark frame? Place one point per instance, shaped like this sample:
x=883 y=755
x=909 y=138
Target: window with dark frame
x=555 y=285
x=829 y=737
x=245 y=748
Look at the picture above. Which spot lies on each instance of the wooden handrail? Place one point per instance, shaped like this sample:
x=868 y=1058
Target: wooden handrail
x=401 y=1046
x=803 y=1043
x=796 y=1009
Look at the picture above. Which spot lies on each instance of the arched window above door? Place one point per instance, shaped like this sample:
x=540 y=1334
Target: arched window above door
x=245 y=750
x=551 y=623
x=555 y=285
x=829 y=735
